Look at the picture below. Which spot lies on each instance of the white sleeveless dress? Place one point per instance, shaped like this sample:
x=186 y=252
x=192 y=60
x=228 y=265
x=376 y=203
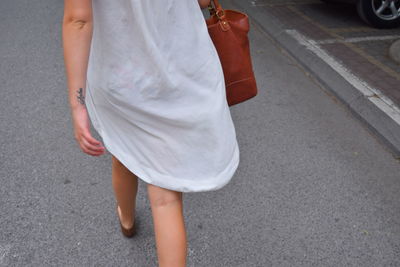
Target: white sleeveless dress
x=155 y=93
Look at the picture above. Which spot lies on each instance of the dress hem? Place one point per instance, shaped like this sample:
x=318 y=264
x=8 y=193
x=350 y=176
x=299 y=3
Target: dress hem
x=186 y=186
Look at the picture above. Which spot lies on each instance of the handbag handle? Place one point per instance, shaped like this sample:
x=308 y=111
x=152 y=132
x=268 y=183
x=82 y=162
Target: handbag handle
x=219 y=12
x=216 y=9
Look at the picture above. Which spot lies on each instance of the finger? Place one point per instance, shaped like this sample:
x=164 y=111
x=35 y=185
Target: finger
x=88 y=136
x=93 y=141
x=91 y=147
x=94 y=154
x=91 y=152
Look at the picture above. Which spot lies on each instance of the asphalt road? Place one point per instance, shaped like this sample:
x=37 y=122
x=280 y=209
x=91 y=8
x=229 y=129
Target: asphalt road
x=313 y=188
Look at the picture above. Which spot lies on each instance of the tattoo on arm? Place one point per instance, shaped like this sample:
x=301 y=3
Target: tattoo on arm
x=81 y=97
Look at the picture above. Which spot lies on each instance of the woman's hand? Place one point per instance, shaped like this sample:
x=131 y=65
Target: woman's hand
x=204 y=3
x=86 y=141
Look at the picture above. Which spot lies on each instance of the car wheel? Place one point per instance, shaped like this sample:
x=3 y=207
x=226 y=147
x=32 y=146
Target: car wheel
x=380 y=13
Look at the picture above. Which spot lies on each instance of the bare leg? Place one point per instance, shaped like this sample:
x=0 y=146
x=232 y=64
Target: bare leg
x=169 y=226
x=125 y=185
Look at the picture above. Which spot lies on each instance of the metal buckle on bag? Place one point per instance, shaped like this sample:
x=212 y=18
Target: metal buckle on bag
x=217 y=13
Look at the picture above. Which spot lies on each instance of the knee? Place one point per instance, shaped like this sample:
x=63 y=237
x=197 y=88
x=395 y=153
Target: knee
x=160 y=197
x=163 y=201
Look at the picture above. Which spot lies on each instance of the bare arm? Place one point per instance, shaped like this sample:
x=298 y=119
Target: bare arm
x=77 y=28
x=77 y=34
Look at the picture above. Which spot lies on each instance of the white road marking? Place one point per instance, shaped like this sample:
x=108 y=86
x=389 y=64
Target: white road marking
x=373 y=94
x=358 y=39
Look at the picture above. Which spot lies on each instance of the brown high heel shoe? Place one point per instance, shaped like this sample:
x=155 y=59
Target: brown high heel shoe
x=125 y=231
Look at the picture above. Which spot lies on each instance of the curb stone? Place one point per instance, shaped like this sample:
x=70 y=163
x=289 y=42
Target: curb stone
x=394 y=51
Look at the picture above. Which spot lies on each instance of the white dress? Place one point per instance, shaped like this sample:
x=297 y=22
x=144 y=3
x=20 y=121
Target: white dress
x=155 y=93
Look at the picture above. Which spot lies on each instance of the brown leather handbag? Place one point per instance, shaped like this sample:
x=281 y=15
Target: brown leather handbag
x=228 y=30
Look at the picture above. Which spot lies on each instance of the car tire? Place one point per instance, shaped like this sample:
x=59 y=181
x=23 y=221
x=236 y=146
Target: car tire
x=366 y=10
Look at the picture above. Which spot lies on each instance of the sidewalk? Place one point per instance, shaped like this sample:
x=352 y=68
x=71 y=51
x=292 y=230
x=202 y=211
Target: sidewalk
x=347 y=57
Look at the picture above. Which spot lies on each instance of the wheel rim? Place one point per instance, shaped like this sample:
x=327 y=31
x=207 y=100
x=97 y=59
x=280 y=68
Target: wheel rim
x=386 y=9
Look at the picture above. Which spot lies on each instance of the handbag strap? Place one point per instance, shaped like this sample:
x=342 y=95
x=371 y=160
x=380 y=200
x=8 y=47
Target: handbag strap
x=216 y=9
x=219 y=12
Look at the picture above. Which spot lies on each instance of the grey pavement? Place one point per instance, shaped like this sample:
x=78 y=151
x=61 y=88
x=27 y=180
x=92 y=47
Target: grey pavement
x=314 y=187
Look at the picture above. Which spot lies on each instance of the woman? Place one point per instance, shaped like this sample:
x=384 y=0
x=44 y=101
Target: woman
x=146 y=74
